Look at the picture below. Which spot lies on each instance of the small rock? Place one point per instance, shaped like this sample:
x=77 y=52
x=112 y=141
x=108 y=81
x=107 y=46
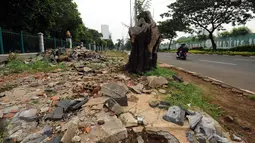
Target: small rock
x=138 y=88
x=147 y=91
x=100 y=122
x=164 y=105
x=128 y=120
x=114 y=106
x=87 y=69
x=34 y=97
x=35 y=84
x=154 y=104
x=51 y=85
x=177 y=78
x=162 y=91
x=140 y=139
x=235 y=138
x=44 y=109
x=245 y=128
x=190 y=136
x=76 y=139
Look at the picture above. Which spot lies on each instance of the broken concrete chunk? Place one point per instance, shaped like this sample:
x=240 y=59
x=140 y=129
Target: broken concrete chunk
x=65 y=104
x=175 y=114
x=79 y=104
x=162 y=91
x=87 y=69
x=220 y=139
x=57 y=114
x=194 y=120
x=177 y=78
x=114 y=106
x=29 y=115
x=117 y=92
x=206 y=127
x=156 y=82
x=71 y=130
x=128 y=120
x=112 y=131
x=76 y=139
x=138 y=88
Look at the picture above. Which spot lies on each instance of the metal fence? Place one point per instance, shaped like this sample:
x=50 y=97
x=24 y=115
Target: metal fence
x=23 y=43
x=222 y=43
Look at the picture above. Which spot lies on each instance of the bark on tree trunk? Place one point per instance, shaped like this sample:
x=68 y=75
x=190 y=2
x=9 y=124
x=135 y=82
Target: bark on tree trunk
x=214 y=46
x=169 y=47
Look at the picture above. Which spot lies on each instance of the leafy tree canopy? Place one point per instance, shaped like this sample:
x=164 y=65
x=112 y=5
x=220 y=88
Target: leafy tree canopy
x=210 y=14
x=236 y=32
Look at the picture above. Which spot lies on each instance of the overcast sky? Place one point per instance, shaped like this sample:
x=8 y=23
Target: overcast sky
x=115 y=12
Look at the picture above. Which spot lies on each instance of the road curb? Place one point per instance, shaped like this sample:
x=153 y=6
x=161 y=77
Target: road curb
x=211 y=80
x=222 y=55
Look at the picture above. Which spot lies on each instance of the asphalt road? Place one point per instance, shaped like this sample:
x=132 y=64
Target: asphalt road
x=235 y=70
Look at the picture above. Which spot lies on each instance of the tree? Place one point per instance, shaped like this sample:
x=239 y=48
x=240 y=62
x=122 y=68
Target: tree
x=210 y=15
x=169 y=28
x=236 y=32
x=128 y=45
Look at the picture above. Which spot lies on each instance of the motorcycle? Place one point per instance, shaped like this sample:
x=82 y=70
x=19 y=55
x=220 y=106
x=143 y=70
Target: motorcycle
x=182 y=55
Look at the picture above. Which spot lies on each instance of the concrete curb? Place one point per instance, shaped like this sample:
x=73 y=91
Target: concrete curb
x=222 y=55
x=211 y=80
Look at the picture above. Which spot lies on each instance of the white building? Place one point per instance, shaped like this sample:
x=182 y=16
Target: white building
x=105 y=31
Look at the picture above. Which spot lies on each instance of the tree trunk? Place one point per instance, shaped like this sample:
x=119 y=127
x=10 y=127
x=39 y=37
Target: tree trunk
x=169 y=47
x=214 y=46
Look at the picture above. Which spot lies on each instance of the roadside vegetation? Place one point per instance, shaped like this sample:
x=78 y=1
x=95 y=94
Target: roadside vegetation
x=19 y=66
x=186 y=94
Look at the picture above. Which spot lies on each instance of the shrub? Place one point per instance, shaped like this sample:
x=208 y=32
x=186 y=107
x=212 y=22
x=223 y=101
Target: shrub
x=248 y=48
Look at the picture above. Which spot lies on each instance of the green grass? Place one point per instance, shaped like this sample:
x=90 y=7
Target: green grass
x=252 y=97
x=160 y=72
x=183 y=94
x=18 y=66
x=112 y=53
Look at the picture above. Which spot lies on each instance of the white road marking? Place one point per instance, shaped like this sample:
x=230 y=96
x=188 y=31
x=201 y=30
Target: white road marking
x=218 y=62
x=244 y=60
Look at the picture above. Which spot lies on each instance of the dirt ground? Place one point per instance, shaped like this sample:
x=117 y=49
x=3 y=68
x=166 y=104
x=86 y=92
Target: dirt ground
x=240 y=107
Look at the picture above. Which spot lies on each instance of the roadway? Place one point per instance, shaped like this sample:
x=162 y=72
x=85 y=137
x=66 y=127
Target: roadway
x=235 y=70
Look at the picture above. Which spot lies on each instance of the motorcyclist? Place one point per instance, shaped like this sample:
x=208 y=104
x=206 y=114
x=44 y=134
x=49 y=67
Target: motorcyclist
x=181 y=49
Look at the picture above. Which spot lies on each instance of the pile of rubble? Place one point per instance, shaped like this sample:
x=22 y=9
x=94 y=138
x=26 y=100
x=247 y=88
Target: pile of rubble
x=91 y=102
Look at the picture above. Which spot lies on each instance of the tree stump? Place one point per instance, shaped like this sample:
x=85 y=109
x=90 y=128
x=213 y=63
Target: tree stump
x=145 y=40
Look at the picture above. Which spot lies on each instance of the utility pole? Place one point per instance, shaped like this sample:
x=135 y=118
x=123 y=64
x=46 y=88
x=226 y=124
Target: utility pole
x=131 y=19
x=136 y=6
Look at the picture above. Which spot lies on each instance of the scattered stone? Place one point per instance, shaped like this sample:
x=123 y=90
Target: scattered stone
x=35 y=98
x=245 y=128
x=156 y=82
x=44 y=109
x=98 y=107
x=154 y=104
x=140 y=139
x=19 y=135
x=112 y=131
x=80 y=104
x=147 y=91
x=57 y=114
x=190 y=136
x=220 y=139
x=71 y=130
x=235 y=138
x=162 y=91
x=140 y=120
x=96 y=101
x=175 y=114
x=128 y=120
x=206 y=127
x=34 y=138
x=76 y=139
x=164 y=105
x=28 y=115
x=194 y=120
x=122 y=76
x=100 y=122
x=164 y=137
x=87 y=69
x=47 y=130
x=54 y=140
x=138 y=129
x=138 y=88
x=114 y=106
x=117 y=92
x=132 y=98
x=177 y=78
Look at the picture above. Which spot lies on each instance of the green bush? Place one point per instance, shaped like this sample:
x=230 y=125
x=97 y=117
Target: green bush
x=247 y=48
